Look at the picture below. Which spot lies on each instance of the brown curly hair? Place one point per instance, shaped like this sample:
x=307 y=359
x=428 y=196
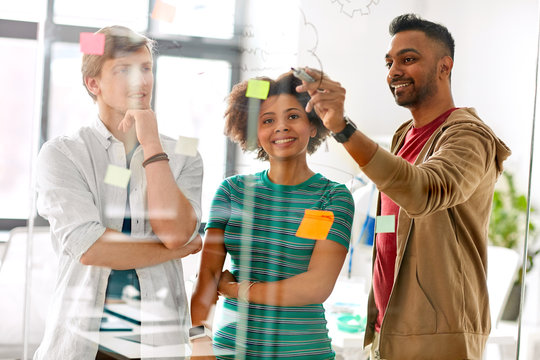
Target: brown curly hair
x=236 y=114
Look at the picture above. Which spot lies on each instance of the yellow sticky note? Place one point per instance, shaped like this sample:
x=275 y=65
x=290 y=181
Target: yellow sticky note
x=316 y=224
x=258 y=89
x=186 y=146
x=163 y=11
x=385 y=224
x=117 y=176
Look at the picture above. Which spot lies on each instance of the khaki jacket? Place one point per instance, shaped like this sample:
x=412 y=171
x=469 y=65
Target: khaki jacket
x=439 y=307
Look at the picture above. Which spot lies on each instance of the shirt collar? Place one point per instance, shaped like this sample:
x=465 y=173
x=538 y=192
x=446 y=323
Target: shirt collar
x=103 y=134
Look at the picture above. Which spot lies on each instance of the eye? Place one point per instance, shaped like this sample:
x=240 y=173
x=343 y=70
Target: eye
x=268 y=121
x=408 y=59
x=388 y=64
x=294 y=116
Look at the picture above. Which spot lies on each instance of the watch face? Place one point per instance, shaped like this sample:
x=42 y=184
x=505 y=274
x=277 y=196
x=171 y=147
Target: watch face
x=195 y=331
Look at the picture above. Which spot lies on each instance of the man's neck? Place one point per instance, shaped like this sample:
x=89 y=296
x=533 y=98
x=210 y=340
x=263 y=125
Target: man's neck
x=424 y=114
x=111 y=120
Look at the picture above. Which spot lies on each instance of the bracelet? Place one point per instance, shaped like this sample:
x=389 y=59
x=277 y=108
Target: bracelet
x=243 y=290
x=157 y=157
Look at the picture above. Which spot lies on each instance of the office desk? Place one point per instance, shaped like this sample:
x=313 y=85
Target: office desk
x=125 y=338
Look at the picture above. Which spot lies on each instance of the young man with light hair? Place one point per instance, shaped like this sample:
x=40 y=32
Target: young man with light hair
x=139 y=231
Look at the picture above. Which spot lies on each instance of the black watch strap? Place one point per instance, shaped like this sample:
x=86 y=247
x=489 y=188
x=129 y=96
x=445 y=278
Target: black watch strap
x=345 y=134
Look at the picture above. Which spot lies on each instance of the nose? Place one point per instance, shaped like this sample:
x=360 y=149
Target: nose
x=137 y=77
x=394 y=71
x=281 y=126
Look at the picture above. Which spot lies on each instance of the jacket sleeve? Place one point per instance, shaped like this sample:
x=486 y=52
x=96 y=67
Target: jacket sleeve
x=462 y=156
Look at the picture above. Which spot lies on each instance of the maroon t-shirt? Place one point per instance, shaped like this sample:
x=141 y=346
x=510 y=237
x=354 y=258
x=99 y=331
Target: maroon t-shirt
x=383 y=271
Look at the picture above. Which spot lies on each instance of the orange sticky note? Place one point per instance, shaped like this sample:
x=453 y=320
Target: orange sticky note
x=316 y=224
x=92 y=44
x=163 y=11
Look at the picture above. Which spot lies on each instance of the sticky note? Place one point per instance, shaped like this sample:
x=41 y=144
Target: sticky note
x=163 y=11
x=92 y=44
x=316 y=224
x=186 y=146
x=385 y=224
x=117 y=176
x=258 y=89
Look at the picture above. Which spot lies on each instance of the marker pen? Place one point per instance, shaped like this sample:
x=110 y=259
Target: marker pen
x=302 y=75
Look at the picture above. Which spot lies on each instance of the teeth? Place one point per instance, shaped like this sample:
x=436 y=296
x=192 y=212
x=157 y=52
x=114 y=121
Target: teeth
x=400 y=86
x=137 y=96
x=283 y=141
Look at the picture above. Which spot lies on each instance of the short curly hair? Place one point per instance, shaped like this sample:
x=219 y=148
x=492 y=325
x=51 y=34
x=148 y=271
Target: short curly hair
x=236 y=114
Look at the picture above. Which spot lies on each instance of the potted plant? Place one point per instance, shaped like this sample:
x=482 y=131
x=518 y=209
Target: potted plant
x=506 y=229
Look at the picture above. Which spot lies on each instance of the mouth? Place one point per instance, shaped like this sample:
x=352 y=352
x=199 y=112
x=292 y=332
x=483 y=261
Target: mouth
x=137 y=95
x=400 y=85
x=283 y=141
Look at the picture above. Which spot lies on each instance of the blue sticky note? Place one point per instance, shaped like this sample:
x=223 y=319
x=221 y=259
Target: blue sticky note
x=385 y=224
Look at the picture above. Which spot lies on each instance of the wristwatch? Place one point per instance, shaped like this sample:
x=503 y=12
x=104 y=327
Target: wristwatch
x=345 y=134
x=200 y=331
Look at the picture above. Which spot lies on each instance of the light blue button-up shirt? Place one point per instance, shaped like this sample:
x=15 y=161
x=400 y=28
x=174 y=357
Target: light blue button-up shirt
x=72 y=195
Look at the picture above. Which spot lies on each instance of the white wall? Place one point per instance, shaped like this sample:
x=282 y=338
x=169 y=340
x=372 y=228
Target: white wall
x=494 y=70
x=494 y=63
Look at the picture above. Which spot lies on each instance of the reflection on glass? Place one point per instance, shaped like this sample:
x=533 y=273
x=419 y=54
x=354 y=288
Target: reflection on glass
x=69 y=105
x=99 y=13
x=190 y=97
x=25 y=10
x=202 y=18
x=18 y=76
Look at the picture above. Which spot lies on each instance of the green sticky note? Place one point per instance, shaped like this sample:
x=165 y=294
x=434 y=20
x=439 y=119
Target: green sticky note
x=186 y=146
x=117 y=176
x=385 y=224
x=258 y=89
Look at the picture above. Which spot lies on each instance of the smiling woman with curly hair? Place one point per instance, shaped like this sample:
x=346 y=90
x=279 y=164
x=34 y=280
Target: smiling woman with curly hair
x=279 y=279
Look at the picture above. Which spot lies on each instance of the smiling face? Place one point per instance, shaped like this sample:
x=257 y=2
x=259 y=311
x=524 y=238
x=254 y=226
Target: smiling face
x=125 y=82
x=413 y=60
x=284 y=128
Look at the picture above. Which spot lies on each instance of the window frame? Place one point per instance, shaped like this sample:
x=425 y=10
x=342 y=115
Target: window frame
x=228 y=50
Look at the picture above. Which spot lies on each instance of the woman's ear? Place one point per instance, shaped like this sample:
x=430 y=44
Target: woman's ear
x=313 y=132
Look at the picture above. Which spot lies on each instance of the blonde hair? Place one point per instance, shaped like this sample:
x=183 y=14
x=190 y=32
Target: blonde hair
x=119 y=40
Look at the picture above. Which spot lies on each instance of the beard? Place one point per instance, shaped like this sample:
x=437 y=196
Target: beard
x=422 y=93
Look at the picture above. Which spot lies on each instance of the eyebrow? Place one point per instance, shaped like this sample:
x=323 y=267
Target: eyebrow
x=403 y=51
x=130 y=64
x=285 y=111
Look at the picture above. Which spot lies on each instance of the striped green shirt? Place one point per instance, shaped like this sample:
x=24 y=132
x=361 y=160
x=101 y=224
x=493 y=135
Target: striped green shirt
x=269 y=215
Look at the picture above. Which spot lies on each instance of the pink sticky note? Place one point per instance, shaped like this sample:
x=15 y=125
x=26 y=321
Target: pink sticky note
x=163 y=11
x=92 y=44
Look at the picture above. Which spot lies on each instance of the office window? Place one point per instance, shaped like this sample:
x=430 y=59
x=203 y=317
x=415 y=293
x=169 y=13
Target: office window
x=70 y=107
x=100 y=13
x=202 y=18
x=25 y=10
x=190 y=97
x=17 y=93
